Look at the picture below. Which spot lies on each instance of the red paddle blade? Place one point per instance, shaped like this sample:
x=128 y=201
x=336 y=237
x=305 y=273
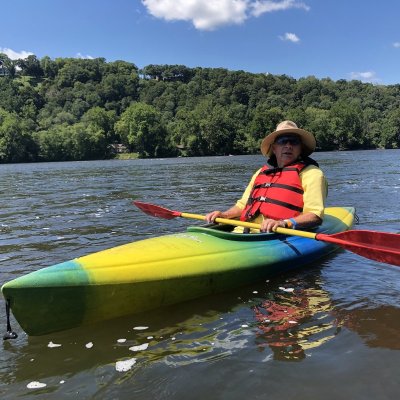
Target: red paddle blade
x=156 y=211
x=379 y=246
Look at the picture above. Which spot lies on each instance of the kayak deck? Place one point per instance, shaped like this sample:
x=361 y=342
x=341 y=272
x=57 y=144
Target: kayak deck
x=159 y=271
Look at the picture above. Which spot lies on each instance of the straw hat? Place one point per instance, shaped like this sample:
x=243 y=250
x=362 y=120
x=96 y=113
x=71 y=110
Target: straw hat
x=286 y=127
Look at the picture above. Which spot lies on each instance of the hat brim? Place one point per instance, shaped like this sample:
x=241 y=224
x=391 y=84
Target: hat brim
x=307 y=140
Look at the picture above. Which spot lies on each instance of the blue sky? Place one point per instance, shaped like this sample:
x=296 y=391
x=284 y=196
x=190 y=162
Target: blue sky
x=339 y=39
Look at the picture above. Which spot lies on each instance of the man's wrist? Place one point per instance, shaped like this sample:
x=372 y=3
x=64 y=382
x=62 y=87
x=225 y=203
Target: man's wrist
x=290 y=223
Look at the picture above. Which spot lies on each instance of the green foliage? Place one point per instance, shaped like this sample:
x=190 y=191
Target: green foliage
x=16 y=143
x=71 y=142
x=79 y=109
x=30 y=66
x=141 y=130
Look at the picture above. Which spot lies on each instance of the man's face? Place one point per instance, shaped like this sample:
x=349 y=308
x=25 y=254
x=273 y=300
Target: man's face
x=287 y=149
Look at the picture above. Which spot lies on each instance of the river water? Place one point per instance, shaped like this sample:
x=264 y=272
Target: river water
x=346 y=343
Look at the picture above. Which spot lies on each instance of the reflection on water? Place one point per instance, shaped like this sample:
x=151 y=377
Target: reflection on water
x=290 y=324
x=334 y=319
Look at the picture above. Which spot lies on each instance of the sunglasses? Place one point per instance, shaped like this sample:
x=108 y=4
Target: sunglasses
x=292 y=140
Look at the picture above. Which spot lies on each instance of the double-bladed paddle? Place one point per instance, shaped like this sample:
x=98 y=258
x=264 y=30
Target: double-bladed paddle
x=379 y=246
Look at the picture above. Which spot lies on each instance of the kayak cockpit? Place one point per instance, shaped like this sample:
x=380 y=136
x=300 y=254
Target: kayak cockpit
x=226 y=232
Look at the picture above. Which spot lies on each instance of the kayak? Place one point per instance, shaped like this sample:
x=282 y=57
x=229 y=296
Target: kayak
x=159 y=271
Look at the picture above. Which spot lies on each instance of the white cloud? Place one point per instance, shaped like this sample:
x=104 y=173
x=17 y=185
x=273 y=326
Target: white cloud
x=367 y=76
x=204 y=14
x=260 y=7
x=209 y=15
x=396 y=44
x=291 y=37
x=15 y=55
x=80 y=55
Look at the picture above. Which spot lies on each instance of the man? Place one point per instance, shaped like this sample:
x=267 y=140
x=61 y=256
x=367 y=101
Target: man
x=290 y=192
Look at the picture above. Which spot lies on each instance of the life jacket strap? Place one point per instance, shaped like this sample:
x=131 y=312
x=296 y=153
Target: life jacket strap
x=279 y=185
x=278 y=203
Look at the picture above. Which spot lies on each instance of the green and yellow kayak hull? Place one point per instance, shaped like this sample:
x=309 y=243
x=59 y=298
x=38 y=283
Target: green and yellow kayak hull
x=159 y=271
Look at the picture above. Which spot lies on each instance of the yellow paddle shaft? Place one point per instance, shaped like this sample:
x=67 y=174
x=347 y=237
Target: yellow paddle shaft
x=234 y=222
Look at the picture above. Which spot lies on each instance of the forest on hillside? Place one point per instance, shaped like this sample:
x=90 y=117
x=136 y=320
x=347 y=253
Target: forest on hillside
x=81 y=109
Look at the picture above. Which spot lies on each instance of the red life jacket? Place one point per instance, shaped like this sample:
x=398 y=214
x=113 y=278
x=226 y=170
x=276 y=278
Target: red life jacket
x=277 y=193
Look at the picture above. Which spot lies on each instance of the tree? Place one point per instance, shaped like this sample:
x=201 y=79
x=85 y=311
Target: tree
x=7 y=66
x=263 y=121
x=88 y=142
x=140 y=128
x=318 y=122
x=346 y=123
x=30 y=66
x=100 y=119
x=217 y=132
x=16 y=144
x=79 y=70
x=49 y=67
x=390 y=135
x=55 y=144
x=71 y=143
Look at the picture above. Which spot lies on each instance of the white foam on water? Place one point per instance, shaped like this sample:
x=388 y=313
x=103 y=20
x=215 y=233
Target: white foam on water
x=121 y=340
x=89 y=345
x=126 y=365
x=140 y=347
x=51 y=344
x=288 y=290
x=35 y=385
x=269 y=357
x=140 y=328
